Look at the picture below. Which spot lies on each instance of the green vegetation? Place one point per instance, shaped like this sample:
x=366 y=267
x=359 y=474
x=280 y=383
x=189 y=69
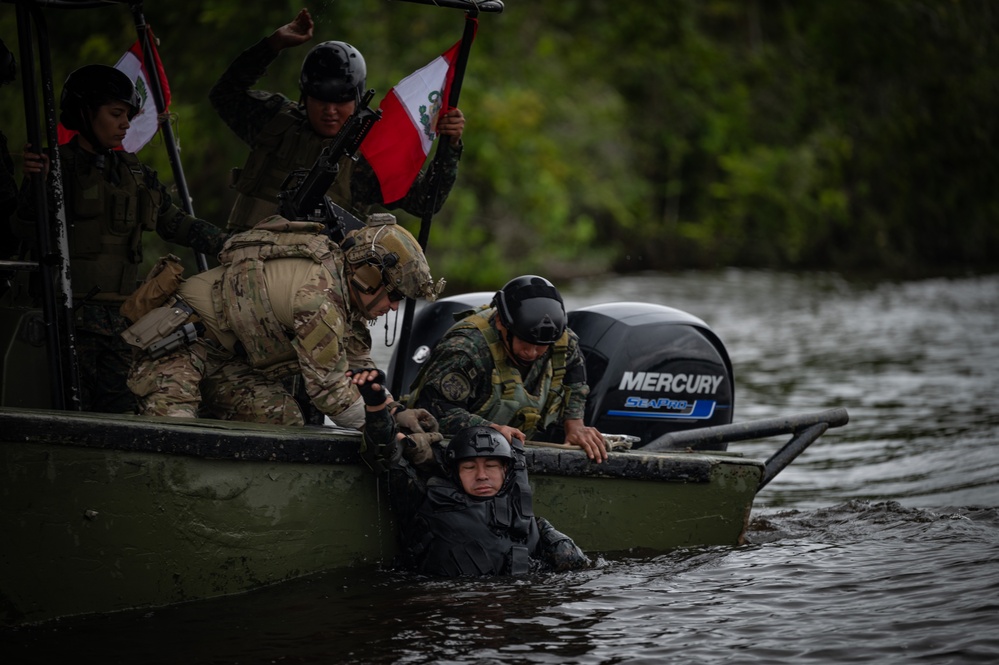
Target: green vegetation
x=856 y=135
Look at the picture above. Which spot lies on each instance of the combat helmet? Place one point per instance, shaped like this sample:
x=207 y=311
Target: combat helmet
x=478 y=441
x=382 y=253
x=8 y=66
x=333 y=72
x=90 y=87
x=532 y=309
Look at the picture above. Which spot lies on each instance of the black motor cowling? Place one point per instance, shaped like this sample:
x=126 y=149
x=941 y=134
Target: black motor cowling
x=652 y=370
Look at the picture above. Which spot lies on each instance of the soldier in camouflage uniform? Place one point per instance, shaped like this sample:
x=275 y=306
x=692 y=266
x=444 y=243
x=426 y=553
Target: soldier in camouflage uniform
x=513 y=366
x=285 y=301
x=469 y=511
x=285 y=136
x=111 y=199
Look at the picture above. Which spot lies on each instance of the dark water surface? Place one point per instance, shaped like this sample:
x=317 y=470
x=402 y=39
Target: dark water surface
x=879 y=544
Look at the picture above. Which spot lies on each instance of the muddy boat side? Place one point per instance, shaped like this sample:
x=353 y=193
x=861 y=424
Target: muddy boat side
x=104 y=512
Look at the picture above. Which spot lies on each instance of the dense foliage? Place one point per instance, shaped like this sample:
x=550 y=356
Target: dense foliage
x=848 y=135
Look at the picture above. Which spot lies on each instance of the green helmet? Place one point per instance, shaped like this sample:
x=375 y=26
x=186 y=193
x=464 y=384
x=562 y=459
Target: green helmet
x=382 y=253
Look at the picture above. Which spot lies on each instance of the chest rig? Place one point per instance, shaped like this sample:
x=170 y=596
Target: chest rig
x=284 y=145
x=109 y=205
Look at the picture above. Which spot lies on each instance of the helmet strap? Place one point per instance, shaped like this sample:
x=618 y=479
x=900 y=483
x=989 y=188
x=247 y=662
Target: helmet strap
x=87 y=132
x=395 y=330
x=507 y=336
x=355 y=296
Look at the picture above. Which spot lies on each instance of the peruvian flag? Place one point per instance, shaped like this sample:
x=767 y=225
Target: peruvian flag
x=145 y=124
x=398 y=144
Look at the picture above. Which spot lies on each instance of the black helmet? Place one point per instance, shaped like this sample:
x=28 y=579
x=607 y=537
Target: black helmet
x=90 y=87
x=333 y=72
x=479 y=441
x=532 y=309
x=8 y=66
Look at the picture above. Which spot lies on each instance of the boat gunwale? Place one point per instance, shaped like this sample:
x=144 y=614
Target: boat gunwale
x=253 y=442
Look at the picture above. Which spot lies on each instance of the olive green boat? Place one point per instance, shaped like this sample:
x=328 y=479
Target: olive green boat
x=102 y=513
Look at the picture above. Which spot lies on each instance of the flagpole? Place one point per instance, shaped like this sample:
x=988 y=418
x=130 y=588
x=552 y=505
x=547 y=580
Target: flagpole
x=149 y=58
x=443 y=148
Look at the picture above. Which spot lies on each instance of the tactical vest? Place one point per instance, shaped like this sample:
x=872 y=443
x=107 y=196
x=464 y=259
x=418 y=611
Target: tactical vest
x=243 y=302
x=452 y=533
x=106 y=221
x=285 y=144
x=510 y=403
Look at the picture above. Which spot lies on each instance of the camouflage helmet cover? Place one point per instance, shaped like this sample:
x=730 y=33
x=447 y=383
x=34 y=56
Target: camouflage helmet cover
x=396 y=253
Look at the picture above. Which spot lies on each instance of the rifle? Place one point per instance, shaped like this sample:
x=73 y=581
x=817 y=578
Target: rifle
x=303 y=193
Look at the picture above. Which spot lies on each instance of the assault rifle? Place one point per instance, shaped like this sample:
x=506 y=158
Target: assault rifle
x=303 y=193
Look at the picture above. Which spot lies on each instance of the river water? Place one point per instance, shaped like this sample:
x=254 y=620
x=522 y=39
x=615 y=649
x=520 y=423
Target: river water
x=880 y=543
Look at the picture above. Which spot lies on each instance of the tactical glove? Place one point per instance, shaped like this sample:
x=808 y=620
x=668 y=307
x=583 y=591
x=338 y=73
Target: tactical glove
x=416 y=448
x=371 y=396
x=416 y=421
x=558 y=550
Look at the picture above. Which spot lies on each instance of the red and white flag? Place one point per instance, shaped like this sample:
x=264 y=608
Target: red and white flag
x=145 y=124
x=398 y=144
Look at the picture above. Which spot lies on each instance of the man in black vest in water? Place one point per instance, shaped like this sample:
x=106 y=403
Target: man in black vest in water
x=467 y=510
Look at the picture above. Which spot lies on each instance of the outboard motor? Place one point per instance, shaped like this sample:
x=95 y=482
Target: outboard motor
x=429 y=325
x=652 y=370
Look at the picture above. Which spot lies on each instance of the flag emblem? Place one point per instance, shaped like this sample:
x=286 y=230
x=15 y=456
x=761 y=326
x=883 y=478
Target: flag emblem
x=428 y=118
x=398 y=144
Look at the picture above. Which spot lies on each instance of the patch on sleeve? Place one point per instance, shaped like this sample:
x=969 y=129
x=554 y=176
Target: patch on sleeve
x=455 y=387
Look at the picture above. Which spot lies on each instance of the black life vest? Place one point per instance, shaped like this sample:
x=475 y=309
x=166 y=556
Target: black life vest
x=450 y=533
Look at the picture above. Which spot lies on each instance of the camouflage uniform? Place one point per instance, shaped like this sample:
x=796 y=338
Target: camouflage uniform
x=111 y=199
x=459 y=383
x=281 y=141
x=264 y=321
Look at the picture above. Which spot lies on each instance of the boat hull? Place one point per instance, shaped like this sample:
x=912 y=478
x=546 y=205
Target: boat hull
x=90 y=529
x=620 y=515
x=102 y=513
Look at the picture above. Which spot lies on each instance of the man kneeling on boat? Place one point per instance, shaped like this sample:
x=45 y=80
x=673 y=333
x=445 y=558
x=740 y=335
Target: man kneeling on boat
x=513 y=366
x=286 y=301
